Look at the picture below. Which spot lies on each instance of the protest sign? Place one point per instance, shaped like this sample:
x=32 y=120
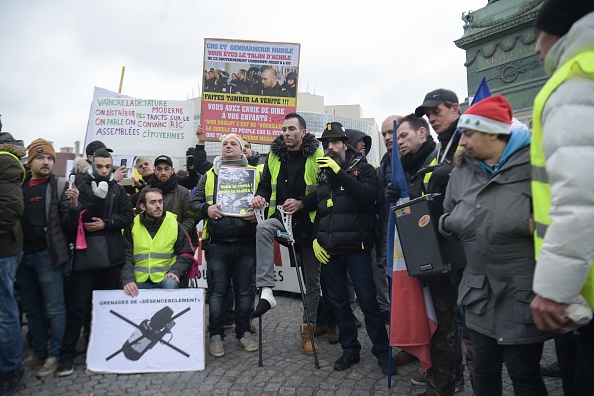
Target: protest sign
x=236 y=187
x=248 y=88
x=154 y=126
x=157 y=331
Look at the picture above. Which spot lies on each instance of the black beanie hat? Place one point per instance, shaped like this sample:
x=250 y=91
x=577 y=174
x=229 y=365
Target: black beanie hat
x=557 y=16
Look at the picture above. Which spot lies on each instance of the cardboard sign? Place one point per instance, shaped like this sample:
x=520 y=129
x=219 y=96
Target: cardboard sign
x=236 y=187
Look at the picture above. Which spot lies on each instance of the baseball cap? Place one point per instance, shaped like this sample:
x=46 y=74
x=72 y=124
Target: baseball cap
x=434 y=98
x=96 y=145
x=163 y=158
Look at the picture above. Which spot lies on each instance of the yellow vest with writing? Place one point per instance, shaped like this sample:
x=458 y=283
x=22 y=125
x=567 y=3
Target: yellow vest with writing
x=153 y=257
x=310 y=176
x=209 y=188
x=580 y=65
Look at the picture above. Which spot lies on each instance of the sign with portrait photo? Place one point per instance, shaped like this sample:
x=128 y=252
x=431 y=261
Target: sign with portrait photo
x=236 y=187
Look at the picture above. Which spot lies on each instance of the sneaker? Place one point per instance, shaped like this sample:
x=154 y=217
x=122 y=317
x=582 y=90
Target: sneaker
x=346 y=360
x=419 y=379
x=33 y=362
x=49 y=367
x=216 y=346
x=11 y=382
x=550 y=370
x=66 y=365
x=248 y=342
x=383 y=362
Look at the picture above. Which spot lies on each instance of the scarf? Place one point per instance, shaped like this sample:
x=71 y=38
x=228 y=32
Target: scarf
x=217 y=162
x=412 y=162
x=167 y=186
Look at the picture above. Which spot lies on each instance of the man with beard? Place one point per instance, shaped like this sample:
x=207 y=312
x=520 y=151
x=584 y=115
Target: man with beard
x=231 y=253
x=104 y=209
x=289 y=179
x=155 y=231
x=40 y=276
x=176 y=199
x=361 y=142
x=443 y=111
x=344 y=236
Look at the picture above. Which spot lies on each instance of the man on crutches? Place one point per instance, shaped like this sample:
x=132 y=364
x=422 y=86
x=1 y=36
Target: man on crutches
x=344 y=236
x=289 y=178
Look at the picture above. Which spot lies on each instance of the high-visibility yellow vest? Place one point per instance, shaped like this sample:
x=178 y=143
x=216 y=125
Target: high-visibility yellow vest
x=209 y=188
x=580 y=65
x=153 y=257
x=310 y=176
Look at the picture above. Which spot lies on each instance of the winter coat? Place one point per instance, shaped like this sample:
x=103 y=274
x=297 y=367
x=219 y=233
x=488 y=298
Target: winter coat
x=12 y=205
x=345 y=222
x=178 y=202
x=56 y=209
x=227 y=229
x=568 y=144
x=490 y=215
x=115 y=210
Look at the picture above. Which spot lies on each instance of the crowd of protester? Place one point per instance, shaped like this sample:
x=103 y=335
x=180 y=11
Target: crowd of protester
x=504 y=191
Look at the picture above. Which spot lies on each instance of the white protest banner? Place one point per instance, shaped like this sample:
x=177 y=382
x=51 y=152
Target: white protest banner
x=157 y=331
x=151 y=126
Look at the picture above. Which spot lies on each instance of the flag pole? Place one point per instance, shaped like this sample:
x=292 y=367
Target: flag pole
x=122 y=79
x=390 y=249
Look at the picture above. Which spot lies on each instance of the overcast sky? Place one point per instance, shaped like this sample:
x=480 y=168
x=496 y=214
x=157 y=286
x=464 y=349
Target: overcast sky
x=384 y=55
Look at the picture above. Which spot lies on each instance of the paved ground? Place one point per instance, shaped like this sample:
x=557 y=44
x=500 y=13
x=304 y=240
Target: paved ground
x=286 y=370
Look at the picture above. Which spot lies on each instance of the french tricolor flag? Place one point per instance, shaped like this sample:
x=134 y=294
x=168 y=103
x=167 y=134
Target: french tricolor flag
x=412 y=319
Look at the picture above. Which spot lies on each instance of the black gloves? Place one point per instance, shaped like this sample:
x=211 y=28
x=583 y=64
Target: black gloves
x=392 y=194
x=190 y=158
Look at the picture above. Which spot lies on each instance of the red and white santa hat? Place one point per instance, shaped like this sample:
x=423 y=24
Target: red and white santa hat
x=491 y=115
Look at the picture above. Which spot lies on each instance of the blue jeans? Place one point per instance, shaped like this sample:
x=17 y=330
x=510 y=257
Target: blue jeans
x=11 y=342
x=166 y=283
x=226 y=262
x=41 y=285
x=334 y=274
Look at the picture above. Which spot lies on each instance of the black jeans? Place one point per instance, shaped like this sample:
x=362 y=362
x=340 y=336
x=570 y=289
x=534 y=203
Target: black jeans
x=82 y=284
x=575 y=353
x=522 y=361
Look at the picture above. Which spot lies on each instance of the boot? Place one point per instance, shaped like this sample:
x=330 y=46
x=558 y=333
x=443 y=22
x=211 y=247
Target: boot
x=306 y=340
x=333 y=334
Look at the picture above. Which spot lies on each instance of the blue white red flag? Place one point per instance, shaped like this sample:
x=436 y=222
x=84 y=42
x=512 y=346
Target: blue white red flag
x=412 y=315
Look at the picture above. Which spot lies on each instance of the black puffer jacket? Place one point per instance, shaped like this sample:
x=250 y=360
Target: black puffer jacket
x=345 y=222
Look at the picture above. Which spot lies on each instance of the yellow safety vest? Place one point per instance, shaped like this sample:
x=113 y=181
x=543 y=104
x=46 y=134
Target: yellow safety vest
x=310 y=176
x=580 y=65
x=209 y=188
x=153 y=257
